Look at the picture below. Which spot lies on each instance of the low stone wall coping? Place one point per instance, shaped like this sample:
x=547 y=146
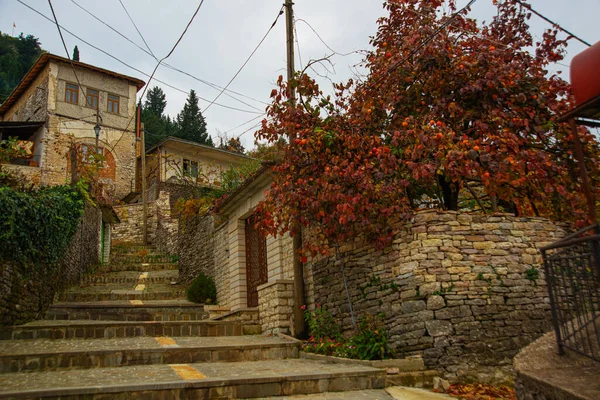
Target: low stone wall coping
x=403 y=364
x=275 y=282
x=544 y=374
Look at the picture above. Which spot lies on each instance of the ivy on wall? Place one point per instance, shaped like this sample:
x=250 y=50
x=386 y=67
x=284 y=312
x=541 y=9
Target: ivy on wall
x=37 y=226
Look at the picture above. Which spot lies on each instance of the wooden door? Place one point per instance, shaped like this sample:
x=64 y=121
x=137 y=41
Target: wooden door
x=256 y=261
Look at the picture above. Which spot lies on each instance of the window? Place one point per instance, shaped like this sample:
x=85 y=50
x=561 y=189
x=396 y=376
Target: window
x=87 y=153
x=92 y=98
x=71 y=93
x=190 y=168
x=113 y=104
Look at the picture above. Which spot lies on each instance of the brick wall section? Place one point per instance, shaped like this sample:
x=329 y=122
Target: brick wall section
x=129 y=229
x=195 y=247
x=454 y=288
x=26 y=296
x=275 y=302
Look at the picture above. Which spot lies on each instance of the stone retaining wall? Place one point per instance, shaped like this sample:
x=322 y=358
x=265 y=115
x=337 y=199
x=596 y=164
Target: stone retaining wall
x=26 y=293
x=464 y=291
x=195 y=248
x=130 y=227
x=275 y=306
x=167 y=225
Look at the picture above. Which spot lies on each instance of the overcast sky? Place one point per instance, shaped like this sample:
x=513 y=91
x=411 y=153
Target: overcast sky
x=225 y=32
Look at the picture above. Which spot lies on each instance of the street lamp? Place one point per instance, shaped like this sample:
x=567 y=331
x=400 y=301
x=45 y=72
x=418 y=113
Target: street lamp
x=97 y=130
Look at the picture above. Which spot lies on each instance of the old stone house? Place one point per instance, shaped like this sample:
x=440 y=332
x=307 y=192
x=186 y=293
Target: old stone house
x=250 y=271
x=175 y=168
x=55 y=109
x=177 y=165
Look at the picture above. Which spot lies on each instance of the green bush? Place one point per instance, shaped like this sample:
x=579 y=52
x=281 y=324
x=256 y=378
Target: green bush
x=370 y=341
x=202 y=290
x=37 y=226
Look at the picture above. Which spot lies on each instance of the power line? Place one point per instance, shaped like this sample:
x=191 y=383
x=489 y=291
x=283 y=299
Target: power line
x=151 y=54
x=527 y=6
x=130 y=66
x=158 y=64
x=243 y=123
x=138 y=31
x=66 y=50
x=322 y=41
x=173 y=68
x=205 y=82
x=248 y=59
x=253 y=127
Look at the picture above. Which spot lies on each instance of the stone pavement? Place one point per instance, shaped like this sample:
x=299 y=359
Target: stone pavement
x=390 y=393
x=127 y=333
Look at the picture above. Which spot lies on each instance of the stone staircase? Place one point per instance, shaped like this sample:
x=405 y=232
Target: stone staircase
x=127 y=332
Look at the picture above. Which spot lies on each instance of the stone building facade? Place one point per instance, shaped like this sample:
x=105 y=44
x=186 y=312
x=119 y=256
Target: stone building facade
x=180 y=166
x=56 y=107
x=250 y=271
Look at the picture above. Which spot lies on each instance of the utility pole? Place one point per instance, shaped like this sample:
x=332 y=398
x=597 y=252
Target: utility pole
x=299 y=325
x=144 y=199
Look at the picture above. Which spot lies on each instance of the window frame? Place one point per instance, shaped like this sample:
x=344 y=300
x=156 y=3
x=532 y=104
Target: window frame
x=188 y=168
x=109 y=102
x=86 y=153
x=73 y=91
x=87 y=95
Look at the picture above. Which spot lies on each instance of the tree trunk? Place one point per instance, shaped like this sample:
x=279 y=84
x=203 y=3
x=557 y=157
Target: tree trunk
x=450 y=192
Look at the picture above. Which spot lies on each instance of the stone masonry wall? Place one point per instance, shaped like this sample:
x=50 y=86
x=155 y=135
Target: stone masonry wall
x=275 y=306
x=464 y=291
x=195 y=247
x=129 y=229
x=25 y=296
x=167 y=226
x=221 y=272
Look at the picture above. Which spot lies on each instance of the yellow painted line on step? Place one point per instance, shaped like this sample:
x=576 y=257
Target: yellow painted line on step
x=187 y=372
x=136 y=302
x=143 y=275
x=140 y=287
x=165 y=341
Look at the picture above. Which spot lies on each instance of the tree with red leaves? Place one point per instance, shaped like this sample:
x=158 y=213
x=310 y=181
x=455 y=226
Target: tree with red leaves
x=448 y=105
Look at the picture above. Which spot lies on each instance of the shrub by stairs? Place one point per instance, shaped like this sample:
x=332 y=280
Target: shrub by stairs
x=127 y=333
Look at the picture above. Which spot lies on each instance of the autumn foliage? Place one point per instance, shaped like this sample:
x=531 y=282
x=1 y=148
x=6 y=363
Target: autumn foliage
x=451 y=110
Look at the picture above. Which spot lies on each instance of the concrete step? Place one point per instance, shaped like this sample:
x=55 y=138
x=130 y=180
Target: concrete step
x=45 y=354
x=122 y=295
x=370 y=394
x=90 y=329
x=123 y=291
x=132 y=277
x=139 y=267
x=214 y=380
x=131 y=248
x=133 y=310
x=155 y=258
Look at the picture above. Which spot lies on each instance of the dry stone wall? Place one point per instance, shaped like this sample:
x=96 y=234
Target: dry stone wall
x=129 y=229
x=195 y=247
x=464 y=291
x=25 y=295
x=167 y=225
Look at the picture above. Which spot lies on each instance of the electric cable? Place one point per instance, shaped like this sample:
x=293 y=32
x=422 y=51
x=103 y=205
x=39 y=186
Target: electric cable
x=527 y=6
x=130 y=66
x=248 y=59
